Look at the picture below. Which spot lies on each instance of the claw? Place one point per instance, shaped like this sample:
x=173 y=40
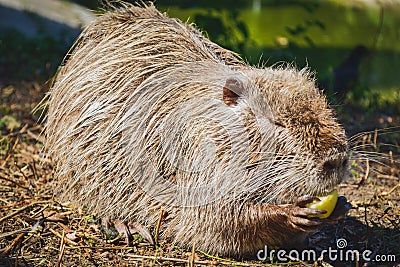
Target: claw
x=305 y=212
x=305 y=219
x=122 y=229
x=304 y=200
x=127 y=229
x=300 y=220
x=137 y=228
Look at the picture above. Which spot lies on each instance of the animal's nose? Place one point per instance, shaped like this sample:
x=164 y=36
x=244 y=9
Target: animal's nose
x=335 y=164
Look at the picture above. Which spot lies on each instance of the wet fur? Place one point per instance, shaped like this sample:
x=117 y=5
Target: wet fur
x=137 y=124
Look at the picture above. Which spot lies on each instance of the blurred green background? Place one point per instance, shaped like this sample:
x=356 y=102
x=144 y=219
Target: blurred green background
x=353 y=46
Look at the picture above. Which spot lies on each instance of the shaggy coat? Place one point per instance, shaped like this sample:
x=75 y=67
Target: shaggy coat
x=147 y=114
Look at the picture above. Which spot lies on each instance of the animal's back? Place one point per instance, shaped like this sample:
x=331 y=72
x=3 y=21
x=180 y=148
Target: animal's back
x=146 y=116
x=87 y=123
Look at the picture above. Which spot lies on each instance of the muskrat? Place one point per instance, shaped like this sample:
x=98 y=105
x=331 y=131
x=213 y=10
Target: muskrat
x=147 y=115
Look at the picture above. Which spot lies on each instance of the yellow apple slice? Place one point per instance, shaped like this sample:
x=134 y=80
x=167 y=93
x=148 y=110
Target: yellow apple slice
x=327 y=203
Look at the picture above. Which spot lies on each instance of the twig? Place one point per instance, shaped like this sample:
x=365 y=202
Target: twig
x=221 y=261
x=384 y=193
x=21 y=171
x=15 y=144
x=364 y=179
x=191 y=259
x=232 y=262
x=62 y=247
x=159 y=258
x=9 y=205
x=375 y=138
x=2 y=177
x=390 y=177
x=6 y=202
x=16 y=259
x=364 y=141
x=391 y=157
x=367 y=170
x=160 y=218
x=5 y=161
x=23 y=129
x=34 y=170
x=65 y=240
x=104 y=247
x=365 y=217
x=10 y=152
x=40 y=211
x=13 y=243
x=22 y=209
x=394 y=188
x=23 y=230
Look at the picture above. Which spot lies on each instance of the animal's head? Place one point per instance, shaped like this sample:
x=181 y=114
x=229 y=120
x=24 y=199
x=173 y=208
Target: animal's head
x=297 y=146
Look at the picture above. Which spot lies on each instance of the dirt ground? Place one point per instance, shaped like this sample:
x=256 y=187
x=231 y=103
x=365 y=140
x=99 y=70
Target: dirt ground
x=37 y=230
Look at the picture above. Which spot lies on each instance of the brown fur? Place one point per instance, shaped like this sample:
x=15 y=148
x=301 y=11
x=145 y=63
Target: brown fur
x=148 y=115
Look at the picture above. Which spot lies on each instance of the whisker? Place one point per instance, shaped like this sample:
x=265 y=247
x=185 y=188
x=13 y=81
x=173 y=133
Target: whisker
x=370 y=154
x=387 y=130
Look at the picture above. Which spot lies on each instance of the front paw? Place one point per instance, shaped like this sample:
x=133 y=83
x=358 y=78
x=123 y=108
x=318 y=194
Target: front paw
x=303 y=218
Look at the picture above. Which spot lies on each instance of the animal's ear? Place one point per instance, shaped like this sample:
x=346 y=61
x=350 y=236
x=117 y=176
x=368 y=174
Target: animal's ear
x=231 y=91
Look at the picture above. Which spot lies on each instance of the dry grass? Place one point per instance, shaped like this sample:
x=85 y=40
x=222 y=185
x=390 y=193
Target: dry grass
x=37 y=230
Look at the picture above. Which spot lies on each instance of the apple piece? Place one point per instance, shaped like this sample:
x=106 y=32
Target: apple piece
x=327 y=203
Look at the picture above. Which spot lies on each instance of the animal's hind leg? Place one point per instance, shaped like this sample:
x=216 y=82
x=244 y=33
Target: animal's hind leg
x=128 y=228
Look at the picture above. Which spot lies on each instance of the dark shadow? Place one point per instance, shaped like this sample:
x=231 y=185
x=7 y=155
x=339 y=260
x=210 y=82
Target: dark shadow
x=31 y=46
x=377 y=245
x=347 y=244
x=7 y=262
